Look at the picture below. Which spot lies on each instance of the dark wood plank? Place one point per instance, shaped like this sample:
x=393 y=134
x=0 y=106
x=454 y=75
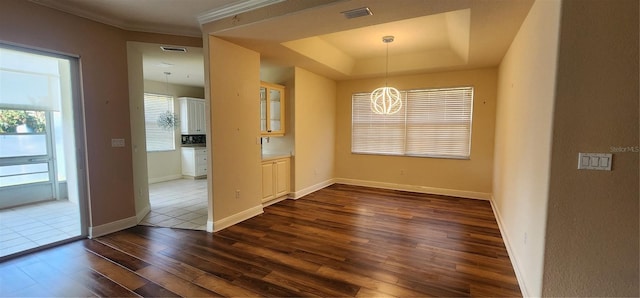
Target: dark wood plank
x=342 y=241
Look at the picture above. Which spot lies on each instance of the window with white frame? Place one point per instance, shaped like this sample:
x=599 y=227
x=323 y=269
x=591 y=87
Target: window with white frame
x=158 y=138
x=432 y=123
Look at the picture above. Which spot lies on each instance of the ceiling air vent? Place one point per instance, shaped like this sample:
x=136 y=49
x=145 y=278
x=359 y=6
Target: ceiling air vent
x=358 y=12
x=173 y=49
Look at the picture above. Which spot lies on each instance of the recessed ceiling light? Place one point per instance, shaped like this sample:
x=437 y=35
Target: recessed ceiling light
x=358 y=12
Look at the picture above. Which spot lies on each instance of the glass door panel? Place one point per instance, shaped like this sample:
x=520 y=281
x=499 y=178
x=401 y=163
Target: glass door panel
x=274 y=96
x=42 y=186
x=25 y=157
x=263 y=109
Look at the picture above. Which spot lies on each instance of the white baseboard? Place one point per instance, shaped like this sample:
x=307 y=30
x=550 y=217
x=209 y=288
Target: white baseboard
x=234 y=219
x=165 y=178
x=210 y=226
x=274 y=201
x=416 y=188
x=112 y=227
x=142 y=213
x=303 y=192
x=507 y=243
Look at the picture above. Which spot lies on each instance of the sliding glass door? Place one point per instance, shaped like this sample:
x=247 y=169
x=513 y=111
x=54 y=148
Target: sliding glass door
x=27 y=158
x=40 y=140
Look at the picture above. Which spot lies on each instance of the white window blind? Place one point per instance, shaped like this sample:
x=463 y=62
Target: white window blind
x=158 y=139
x=32 y=81
x=432 y=123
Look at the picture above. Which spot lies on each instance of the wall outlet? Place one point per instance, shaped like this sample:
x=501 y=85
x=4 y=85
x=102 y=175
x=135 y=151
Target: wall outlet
x=237 y=194
x=117 y=142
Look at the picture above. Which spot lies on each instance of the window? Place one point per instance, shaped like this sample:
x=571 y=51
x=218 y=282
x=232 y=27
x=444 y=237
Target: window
x=158 y=139
x=432 y=123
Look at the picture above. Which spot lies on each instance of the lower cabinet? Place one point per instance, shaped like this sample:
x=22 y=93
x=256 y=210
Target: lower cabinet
x=194 y=162
x=275 y=178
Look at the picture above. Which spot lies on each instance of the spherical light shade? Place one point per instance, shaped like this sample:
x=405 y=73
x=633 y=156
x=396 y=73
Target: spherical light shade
x=386 y=101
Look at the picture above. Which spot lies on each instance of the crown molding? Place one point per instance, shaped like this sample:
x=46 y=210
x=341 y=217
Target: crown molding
x=118 y=23
x=234 y=9
x=74 y=10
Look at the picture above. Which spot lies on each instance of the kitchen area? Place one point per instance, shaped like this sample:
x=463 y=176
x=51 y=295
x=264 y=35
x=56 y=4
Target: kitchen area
x=276 y=144
x=178 y=193
x=175 y=133
x=177 y=176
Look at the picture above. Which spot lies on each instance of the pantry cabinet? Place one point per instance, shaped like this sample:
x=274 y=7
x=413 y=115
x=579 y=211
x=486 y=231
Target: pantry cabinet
x=275 y=178
x=194 y=162
x=192 y=116
x=272 y=109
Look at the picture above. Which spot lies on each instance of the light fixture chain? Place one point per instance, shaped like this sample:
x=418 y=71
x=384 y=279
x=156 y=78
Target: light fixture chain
x=386 y=73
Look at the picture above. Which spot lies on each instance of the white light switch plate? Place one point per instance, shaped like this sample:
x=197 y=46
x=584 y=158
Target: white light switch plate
x=595 y=161
x=117 y=142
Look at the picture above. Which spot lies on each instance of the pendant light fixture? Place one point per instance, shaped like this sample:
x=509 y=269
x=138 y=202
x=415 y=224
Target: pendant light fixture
x=168 y=120
x=386 y=100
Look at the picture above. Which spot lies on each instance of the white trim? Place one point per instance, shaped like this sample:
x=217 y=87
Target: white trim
x=234 y=219
x=210 y=226
x=234 y=9
x=417 y=188
x=165 y=178
x=112 y=227
x=313 y=188
x=514 y=261
x=140 y=215
x=276 y=200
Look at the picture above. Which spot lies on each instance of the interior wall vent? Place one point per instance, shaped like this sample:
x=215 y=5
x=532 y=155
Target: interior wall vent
x=356 y=13
x=173 y=49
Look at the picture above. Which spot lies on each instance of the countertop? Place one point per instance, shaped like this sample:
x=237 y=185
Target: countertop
x=272 y=156
x=194 y=145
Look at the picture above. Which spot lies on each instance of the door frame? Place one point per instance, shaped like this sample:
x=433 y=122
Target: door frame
x=77 y=112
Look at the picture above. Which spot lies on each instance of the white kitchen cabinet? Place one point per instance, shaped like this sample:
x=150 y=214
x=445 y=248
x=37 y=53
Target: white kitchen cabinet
x=192 y=116
x=275 y=178
x=194 y=162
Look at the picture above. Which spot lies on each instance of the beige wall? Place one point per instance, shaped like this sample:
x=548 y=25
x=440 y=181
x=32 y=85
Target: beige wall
x=471 y=178
x=104 y=71
x=234 y=77
x=315 y=110
x=167 y=165
x=570 y=232
x=523 y=141
x=103 y=60
x=592 y=220
x=138 y=143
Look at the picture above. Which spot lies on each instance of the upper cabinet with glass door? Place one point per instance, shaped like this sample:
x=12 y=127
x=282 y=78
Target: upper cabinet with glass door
x=271 y=109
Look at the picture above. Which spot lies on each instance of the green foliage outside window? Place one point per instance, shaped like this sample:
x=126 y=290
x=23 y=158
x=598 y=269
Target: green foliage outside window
x=14 y=121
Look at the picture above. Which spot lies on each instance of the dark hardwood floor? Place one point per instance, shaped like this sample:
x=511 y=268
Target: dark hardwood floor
x=342 y=241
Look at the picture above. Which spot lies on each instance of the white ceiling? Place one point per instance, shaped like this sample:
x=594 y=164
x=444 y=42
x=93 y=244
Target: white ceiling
x=431 y=35
x=184 y=68
x=179 y=17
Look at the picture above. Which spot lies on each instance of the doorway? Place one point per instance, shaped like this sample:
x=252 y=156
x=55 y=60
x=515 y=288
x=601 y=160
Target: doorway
x=163 y=85
x=41 y=187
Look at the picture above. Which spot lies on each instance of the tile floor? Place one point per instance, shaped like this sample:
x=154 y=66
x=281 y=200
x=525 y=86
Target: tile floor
x=179 y=204
x=26 y=227
x=175 y=204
